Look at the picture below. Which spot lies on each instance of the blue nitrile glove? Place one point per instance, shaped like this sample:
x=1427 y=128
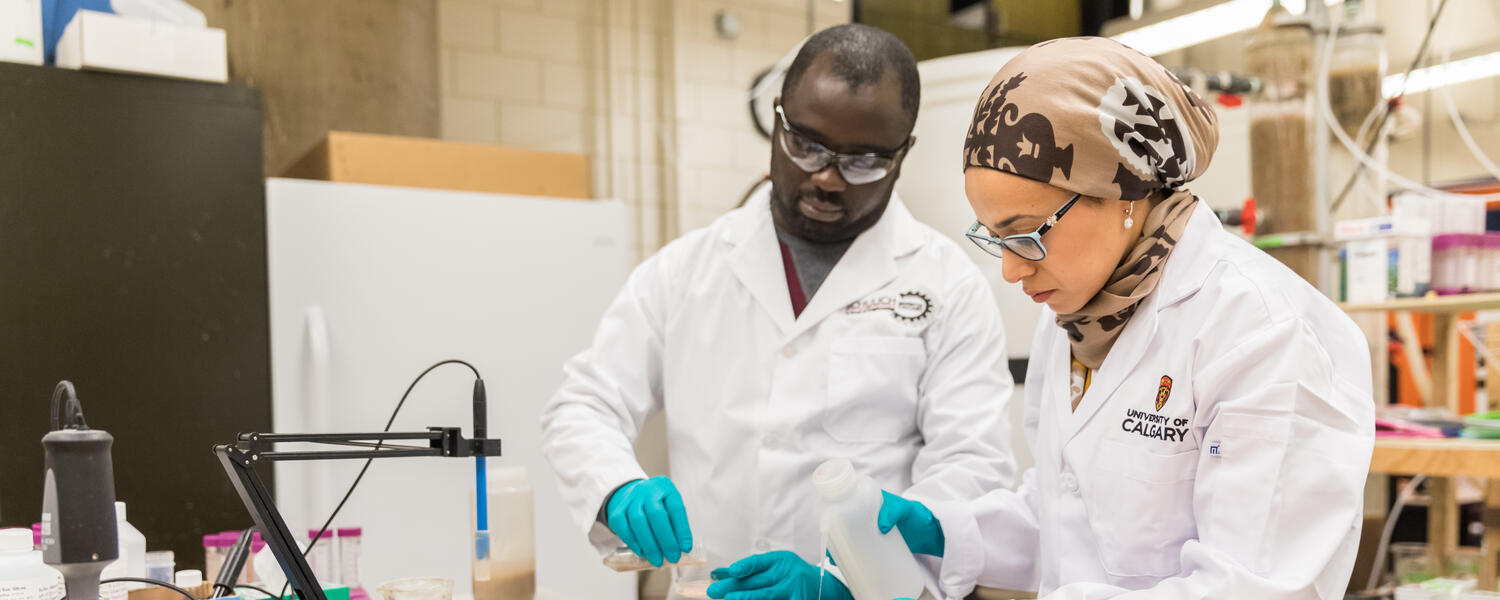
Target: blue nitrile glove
x=922 y=531
x=649 y=517
x=779 y=575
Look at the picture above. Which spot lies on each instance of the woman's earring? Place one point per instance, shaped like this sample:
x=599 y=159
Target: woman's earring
x=1130 y=221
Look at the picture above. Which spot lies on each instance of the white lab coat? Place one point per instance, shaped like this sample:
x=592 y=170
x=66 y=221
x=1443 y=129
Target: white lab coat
x=897 y=363
x=1246 y=483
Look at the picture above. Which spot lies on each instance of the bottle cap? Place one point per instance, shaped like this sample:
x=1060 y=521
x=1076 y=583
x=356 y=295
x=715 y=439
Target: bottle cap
x=189 y=578
x=15 y=539
x=36 y=534
x=834 y=477
x=351 y=531
x=159 y=557
x=211 y=540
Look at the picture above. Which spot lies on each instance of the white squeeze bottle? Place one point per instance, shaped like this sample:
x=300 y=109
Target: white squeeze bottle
x=22 y=574
x=875 y=566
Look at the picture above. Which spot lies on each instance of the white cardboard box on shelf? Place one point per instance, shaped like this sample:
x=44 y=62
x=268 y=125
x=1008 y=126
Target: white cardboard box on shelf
x=105 y=42
x=21 y=31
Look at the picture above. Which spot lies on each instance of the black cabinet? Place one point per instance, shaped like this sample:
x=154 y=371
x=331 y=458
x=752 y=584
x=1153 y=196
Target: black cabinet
x=133 y=262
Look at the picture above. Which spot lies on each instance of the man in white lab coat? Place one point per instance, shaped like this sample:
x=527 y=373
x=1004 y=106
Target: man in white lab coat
x=820 y=320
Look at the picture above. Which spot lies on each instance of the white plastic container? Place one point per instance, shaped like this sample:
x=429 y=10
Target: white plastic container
x=875 y=566
x=21 y=31
x=114 y=591
x=1383 y=257
x=132 y=547
x=175 y=12
x=1489 y=262
x=510 y=571
x=189 y=578
x=22 y=574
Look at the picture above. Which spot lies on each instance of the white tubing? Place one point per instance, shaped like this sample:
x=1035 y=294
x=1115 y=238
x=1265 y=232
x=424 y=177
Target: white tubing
x=1463 y=128
x=1325 y=113
x=1383 y=547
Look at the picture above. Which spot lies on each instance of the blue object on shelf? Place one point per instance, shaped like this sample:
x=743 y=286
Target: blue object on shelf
x=56 y=14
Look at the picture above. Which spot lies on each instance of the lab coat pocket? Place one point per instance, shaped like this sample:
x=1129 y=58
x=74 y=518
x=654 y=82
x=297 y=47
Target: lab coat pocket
x=1143 y=512
x=872 y=388
x=1244 y=477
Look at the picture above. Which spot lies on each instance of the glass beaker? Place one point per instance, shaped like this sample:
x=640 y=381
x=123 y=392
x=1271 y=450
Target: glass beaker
x=691 y=581
x=1411 y=563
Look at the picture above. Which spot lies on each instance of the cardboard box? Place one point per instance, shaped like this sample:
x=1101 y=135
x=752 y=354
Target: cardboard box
x=105 y=42
x=21 y=31
x=436 y=164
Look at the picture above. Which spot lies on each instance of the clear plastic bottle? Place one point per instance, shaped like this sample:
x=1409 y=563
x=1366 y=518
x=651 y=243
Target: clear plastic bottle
x=509 y=572
x=22 y=574
x=132 y=547
x=161 y=565
x=248 y=574
x=875 y=566
x=349 y=539
x=213 y=556
x=1358 y=66
x=321 y=556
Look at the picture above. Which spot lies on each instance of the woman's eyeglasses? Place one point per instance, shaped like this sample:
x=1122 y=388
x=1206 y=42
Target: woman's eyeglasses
x=1025 y=245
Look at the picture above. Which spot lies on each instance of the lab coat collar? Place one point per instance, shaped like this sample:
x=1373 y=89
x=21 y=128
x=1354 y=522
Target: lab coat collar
x=868 y=264
x=1186 y=270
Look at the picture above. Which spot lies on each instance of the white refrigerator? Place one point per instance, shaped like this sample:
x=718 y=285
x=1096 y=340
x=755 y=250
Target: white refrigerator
x=370 y=285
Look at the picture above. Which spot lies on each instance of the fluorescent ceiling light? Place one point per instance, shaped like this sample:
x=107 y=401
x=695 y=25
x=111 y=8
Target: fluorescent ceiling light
x=1449 y=73
x=1198 y=26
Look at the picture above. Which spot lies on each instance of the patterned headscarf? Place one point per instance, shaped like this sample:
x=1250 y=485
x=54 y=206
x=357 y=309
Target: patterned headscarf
x=1093 y=116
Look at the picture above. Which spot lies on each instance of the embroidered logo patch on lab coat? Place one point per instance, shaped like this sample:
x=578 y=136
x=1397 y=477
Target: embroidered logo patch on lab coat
x=911 y=306
x=1163 y=392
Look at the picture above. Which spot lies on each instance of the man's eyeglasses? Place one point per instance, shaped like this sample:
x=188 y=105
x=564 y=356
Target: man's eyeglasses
x=856 y=169
x=1025 y=245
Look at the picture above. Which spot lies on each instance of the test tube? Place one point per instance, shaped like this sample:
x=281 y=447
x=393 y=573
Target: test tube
x=320 y=557
x=213 y=557
x=349 y=538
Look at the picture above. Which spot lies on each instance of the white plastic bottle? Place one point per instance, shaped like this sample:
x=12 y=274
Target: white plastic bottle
x=132 y=547
x=114 y=591
x=22 y=574
x=875 y=566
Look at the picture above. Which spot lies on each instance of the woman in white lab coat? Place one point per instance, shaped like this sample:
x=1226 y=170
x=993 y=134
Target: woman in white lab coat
x=1200 y=416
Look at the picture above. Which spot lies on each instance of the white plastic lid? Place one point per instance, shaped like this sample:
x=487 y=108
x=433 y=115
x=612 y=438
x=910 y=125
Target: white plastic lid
x=119 y=511
x=834 y=477
x=189 y=578
x=12 y=540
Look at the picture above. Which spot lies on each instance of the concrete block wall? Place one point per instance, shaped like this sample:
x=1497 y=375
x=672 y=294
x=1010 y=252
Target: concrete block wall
x=648 y=88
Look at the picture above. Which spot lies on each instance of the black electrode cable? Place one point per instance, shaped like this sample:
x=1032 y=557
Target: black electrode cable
x=366 y=467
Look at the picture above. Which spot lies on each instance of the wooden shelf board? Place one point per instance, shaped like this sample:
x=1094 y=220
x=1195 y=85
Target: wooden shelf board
x=1438 y=304
x=1437 y=457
